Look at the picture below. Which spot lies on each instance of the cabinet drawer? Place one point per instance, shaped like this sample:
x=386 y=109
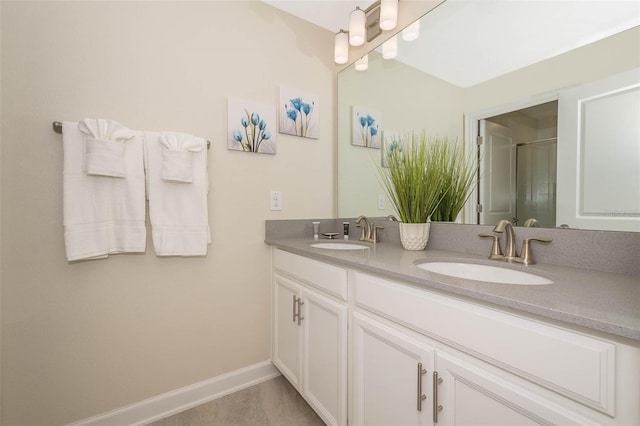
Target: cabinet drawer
x=572 y=364
x=329 y=278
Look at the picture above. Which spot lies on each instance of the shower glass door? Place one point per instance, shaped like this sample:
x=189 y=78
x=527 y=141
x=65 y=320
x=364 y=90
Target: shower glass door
x=536 y=181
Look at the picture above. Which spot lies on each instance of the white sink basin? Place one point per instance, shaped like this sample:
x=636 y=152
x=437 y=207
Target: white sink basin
x=339 y=246
x=492 y=274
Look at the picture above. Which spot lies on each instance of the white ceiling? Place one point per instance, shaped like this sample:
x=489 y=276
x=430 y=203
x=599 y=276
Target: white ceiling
x=329 y=14
x=463 y=41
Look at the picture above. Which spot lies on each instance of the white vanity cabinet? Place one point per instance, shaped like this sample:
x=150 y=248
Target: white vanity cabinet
x=390 y=374
x=494 y=367
x=423 y=357
x=401 y=379
x=310 y=332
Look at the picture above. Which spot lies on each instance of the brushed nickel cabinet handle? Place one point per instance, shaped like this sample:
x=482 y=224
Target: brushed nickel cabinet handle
x=436 y=407
x=300 y=303
x=421 y=397
x=295 y=300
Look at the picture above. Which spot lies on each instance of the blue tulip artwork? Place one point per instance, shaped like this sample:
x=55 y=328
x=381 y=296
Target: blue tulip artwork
x=367 y=128
x=299 y=113
x=250 y=127
x=391 y=143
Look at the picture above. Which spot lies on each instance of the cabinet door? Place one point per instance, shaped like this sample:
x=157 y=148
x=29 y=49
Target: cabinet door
x=286 y=332
x=387 y=382
x=324 y=352
x=470 y=395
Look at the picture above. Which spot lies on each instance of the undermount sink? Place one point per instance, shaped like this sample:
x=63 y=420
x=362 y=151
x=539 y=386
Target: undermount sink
x=339 y=246
x=476 y=272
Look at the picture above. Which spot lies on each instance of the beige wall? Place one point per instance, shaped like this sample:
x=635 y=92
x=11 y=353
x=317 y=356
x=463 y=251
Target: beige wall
x=0 y=223
x=615 y=54
x=81 y=339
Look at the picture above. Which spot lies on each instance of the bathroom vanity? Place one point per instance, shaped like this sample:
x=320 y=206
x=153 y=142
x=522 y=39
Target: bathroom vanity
x=368 y=337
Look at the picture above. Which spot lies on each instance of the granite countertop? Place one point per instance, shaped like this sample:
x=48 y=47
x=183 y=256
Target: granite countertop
x=603 y=301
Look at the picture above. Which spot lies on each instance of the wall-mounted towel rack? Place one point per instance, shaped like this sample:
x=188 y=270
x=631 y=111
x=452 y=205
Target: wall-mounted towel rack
x=57 y=127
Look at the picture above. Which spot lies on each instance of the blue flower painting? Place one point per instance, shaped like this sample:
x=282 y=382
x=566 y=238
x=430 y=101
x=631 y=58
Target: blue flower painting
x=391 y=143
x=299 y=113
x=250 y=127
x=367 y=127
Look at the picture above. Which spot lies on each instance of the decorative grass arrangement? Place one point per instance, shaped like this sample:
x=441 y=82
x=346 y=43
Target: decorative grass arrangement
x=414 y=181
x=459 y=177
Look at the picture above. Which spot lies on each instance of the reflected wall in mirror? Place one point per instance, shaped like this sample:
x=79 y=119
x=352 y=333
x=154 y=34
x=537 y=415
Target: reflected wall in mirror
x=411 y=100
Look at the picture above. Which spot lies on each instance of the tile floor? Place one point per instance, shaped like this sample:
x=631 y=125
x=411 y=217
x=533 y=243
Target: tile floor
x=271 y=403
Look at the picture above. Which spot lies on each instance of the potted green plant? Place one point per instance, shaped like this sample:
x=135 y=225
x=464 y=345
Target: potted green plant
x=414 y=184
x=459 y=172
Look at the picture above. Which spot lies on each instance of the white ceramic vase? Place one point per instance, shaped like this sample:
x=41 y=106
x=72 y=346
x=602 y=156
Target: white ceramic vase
x=414 y=236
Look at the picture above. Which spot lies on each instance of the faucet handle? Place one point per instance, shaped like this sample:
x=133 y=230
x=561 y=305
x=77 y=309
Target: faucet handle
x=374 y=232
x=496 y=250
x=526 y=257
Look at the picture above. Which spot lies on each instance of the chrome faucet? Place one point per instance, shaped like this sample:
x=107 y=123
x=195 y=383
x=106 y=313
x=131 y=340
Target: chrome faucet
x=510 y=243
x=369 y=230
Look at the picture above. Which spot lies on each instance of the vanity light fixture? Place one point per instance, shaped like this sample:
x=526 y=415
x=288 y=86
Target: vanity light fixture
x=412 y=32
x=357 y=29
x=341 y=47
x=390 y=48
x=363 y=63
x=366 y=25
x=388 y=14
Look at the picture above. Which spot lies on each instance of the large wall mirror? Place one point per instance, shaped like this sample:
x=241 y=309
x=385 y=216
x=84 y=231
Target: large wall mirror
x=558 y=110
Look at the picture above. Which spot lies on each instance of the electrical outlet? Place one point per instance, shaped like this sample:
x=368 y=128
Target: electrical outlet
x=276 y=200
x=381 y=201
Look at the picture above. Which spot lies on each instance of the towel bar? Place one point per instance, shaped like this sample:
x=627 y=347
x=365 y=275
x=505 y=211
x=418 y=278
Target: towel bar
x=57 y=127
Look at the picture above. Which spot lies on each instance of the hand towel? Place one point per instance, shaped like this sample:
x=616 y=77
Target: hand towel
x=176 y=156
x=102 y=215
x=104 y=147
x=178 y=212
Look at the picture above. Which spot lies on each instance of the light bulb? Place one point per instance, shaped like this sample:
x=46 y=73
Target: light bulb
x=388 y=14
x=411 y=32
x=390 y=48
x=357 y=27
x=341 y=48
x=363 y=63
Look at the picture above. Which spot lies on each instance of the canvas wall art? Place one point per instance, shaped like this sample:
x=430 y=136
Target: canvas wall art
x=251 y=126
x=390 y=142
x=299 y=113
x=366 y=127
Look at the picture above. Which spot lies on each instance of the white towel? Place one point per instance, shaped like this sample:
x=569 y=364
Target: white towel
x=102 y=215
x=104 y=147
x=177 y=156
x=178 y=212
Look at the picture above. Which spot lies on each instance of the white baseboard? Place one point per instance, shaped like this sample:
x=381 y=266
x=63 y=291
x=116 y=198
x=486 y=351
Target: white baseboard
x=173 y=402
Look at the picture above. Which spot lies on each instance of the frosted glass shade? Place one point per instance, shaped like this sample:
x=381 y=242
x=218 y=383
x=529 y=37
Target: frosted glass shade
x=357 y=27
x=388 y=14
x=390 y=48
x=341 y=48
x=412 y=32
x=363 y=63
